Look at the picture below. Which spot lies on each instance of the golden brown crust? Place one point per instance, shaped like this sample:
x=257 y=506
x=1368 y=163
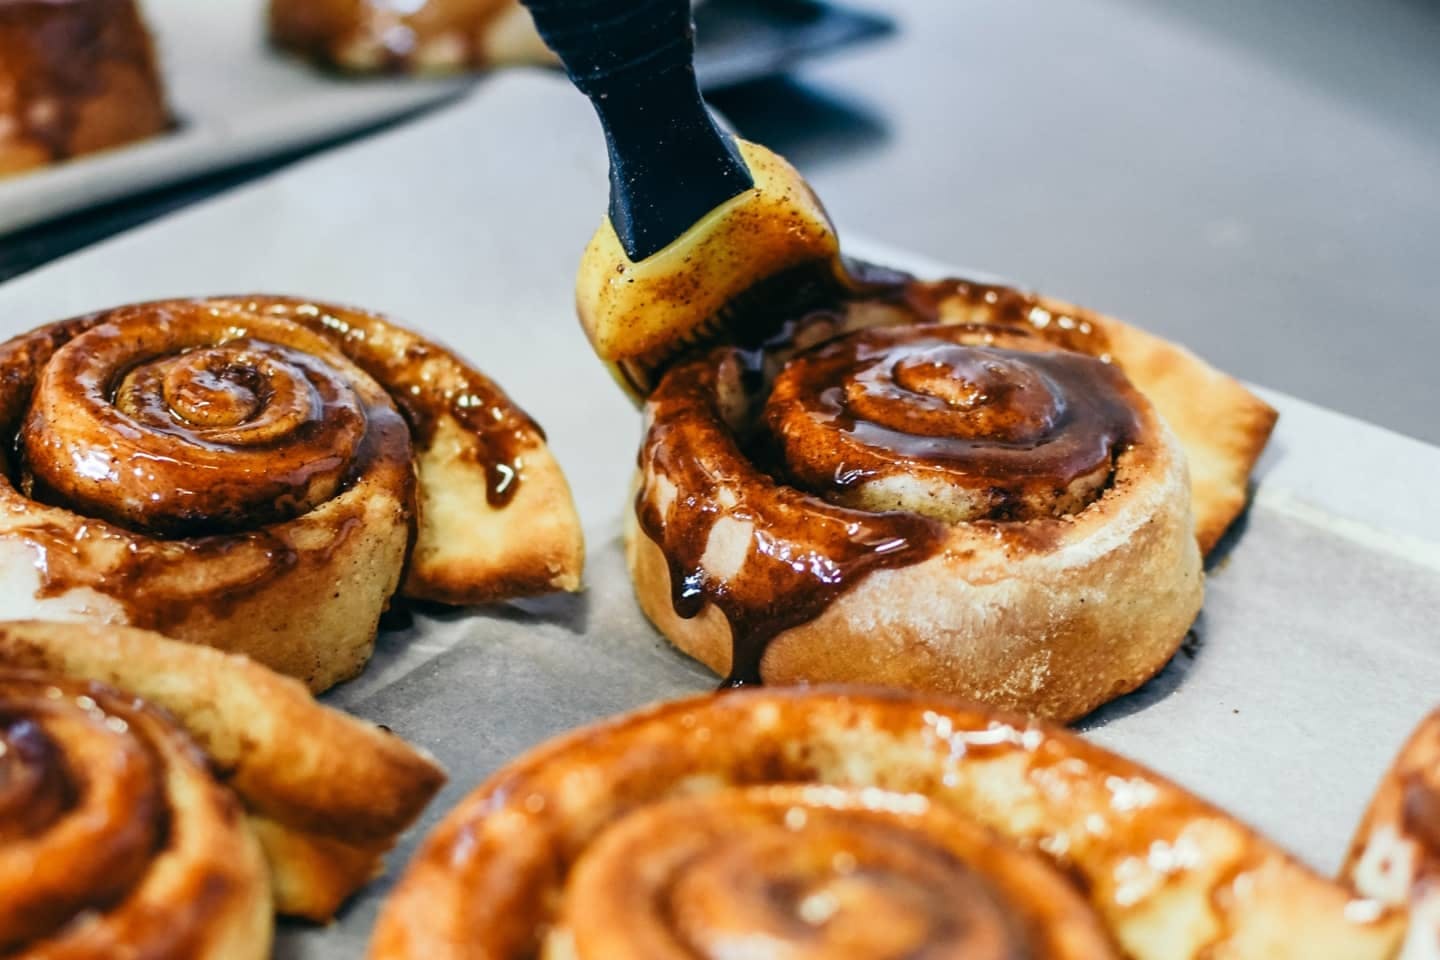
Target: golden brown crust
x=432 y=36
x=1395 y=855
x=1163 y=873
x=328 y=793
x=76 y=76
x=273 y=515
x=115 y=839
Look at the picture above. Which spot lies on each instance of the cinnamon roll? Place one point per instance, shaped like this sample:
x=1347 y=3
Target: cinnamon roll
x=242 y=472
x=853 y=824
x=851 y=475
x=428 y=36
x=1395 y=857
x=76 y=76
x=325 y=793
x=115 y=840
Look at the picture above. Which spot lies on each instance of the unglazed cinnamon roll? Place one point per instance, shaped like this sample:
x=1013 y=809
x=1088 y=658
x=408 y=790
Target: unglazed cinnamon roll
x=325 y=793
x=76 y=76
x=430 y=36
x=242 y=473
x=852 y=475
x=847 y=824
x=115 y=839
x=1395 y=857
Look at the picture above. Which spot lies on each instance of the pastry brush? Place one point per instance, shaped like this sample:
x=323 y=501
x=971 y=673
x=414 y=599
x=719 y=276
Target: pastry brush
x=699 y=222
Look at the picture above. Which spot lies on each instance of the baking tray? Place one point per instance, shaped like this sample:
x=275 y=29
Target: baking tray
x=1314 y=656
x=239 y=101
x=235 y=100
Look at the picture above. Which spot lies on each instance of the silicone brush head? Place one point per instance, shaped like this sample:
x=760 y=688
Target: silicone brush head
x=697 y=219
x=640 y=315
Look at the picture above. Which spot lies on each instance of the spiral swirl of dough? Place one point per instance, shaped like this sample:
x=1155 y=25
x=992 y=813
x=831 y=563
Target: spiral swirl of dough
x=263 y=475
x=846 y=824
x=115 y=839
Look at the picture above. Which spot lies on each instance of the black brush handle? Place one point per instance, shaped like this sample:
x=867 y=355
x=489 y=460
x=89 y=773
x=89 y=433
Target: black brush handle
x=635 y=59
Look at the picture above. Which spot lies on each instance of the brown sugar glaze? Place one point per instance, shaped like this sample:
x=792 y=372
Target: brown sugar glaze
x=139 y=563
x=427 y=382
x=710 y=440
x=62 y=59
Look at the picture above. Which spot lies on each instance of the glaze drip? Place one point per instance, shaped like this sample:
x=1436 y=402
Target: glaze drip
x=429 y=383
x=798 y=551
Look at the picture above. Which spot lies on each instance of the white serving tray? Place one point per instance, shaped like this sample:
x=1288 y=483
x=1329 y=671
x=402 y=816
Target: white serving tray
x=236 y=100
x=1317 y=647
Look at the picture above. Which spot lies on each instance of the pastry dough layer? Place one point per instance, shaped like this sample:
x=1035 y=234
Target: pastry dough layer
x=327 y=794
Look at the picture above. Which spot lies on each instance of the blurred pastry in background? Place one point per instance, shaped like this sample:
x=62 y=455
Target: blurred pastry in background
x=422 y=36
x=76 y=76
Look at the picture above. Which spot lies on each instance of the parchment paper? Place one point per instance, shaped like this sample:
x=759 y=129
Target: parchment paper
x=1315 y=654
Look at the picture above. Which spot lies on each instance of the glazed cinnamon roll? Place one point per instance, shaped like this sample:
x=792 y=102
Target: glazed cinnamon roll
x=76 y=76
x=243 y=472
x=1395 y=857
x=428 y=36
x=115 y=840
x=853 y=824
x=852 y=475
x=325 y=793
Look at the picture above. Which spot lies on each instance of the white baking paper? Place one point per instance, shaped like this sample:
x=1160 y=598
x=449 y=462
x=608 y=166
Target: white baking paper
x=1316 y=653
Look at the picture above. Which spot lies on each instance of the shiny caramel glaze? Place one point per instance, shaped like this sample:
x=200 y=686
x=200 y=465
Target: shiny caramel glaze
x=188 y=419
x=428 y=383
x=850 y=824
x=111 y=815
x=692 y=446
x=1023 y=430
x=123 y=488
x=423 y=36
x=795 y=445
x=243 y=472
x=496 y=518
x=75 y=76
x=1395 y=855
